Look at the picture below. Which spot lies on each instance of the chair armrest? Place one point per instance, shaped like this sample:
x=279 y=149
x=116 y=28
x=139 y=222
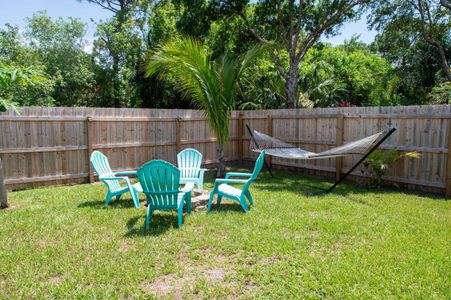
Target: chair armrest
x=126 y=173
x=188 y=187
x=227 y=180
x=114 y=178
x=236 y=174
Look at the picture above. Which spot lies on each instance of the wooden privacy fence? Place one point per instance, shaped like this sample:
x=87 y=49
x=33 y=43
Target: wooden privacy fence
x=45 y=146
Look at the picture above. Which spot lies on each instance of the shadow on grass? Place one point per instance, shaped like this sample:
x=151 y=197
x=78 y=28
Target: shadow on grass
x=159 y=224
x=117 y=204
x=229 y=206
x=306 y=186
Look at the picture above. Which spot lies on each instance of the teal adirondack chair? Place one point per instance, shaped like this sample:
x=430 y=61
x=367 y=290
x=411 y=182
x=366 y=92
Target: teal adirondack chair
x=189 y=162
x=160 y=183
x=112 y=180
x=223 y=189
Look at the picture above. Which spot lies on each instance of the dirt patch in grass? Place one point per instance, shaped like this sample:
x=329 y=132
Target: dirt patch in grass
x=54 y=280
x=163 y=285
x=10 y=207
x=192 y=272
x=126 y=246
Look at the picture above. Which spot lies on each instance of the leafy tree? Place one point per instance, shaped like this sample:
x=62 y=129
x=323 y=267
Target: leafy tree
x=318 y=86
x=261 y=86
x=195 y=17
x=10 y=78
x=15 y=53
x=346 y=73
x=117 y=54
x=293 y=27
x=327 y=76
x=441 y=94
x=409 y=22
x=117 y=50
x=210 y=84
x=59 y=46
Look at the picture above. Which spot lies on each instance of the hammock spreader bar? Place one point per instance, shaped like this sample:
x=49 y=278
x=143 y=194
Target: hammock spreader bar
x=302 y=154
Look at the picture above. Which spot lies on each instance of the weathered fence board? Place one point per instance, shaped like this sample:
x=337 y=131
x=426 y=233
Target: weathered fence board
x=51 y=145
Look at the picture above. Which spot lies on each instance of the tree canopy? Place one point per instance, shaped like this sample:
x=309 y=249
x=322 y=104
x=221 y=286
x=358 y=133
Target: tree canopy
x=408 y=63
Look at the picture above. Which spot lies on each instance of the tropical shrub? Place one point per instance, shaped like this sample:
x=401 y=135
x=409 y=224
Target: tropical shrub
x=379 y=163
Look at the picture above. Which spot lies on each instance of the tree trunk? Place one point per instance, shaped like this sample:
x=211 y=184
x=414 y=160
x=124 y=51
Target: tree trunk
x=3 y=193
x=221 y=164
x=290 y=90
x=444 y=61
x=291 y=86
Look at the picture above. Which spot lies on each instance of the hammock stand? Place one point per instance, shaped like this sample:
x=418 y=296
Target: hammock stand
x=342 y=177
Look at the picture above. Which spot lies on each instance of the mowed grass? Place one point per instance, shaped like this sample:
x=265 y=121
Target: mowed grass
x=61 y=242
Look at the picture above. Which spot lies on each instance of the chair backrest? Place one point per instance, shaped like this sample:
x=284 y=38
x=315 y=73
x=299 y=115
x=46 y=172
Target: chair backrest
x=189 y=161
x=102 y=168
x=160 y=183
x=257 y=168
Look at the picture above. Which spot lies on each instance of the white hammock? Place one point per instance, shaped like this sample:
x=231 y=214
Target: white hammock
x=276 y=147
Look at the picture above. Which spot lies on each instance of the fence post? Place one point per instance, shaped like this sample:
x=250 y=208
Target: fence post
x=3 y=193
x=240 y=137
x=178 y=138
x=90 y=136
x=269 y=125
x=448 y=169
x=339 y=141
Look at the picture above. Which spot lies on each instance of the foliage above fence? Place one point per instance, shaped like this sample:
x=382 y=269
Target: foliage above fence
x=44 y=146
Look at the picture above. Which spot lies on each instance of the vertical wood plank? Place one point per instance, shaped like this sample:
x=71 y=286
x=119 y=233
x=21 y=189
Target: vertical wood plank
x=178 y=135
x=240 y=137
x=269 y=130
x=339 y=133
x=90 y=136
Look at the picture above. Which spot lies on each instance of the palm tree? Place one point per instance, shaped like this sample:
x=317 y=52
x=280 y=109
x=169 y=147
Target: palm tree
x=211 y=85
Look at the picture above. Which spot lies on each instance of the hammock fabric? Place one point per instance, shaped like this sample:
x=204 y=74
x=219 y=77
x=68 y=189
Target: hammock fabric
x=276 y=147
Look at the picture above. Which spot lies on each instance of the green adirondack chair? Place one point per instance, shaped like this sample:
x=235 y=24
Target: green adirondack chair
x=160 y=182
x=189 y=161
x=223 y=189
x=112 y=180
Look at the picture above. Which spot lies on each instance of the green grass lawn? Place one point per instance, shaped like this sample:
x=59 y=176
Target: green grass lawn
x=61 y=242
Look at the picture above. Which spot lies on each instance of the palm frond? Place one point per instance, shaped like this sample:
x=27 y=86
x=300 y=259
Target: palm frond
x=210 y=85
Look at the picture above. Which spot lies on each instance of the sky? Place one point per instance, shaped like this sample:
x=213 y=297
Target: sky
x=15 y=12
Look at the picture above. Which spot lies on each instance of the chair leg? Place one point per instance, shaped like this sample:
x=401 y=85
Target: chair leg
x=249 y=197
x=212 y=194
x=188 y=202
x=218 y=200
x=135 y=197
x=148 y=216
x=244 y=204
x=118 y=197
x=180 y=216
x=108 y=198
